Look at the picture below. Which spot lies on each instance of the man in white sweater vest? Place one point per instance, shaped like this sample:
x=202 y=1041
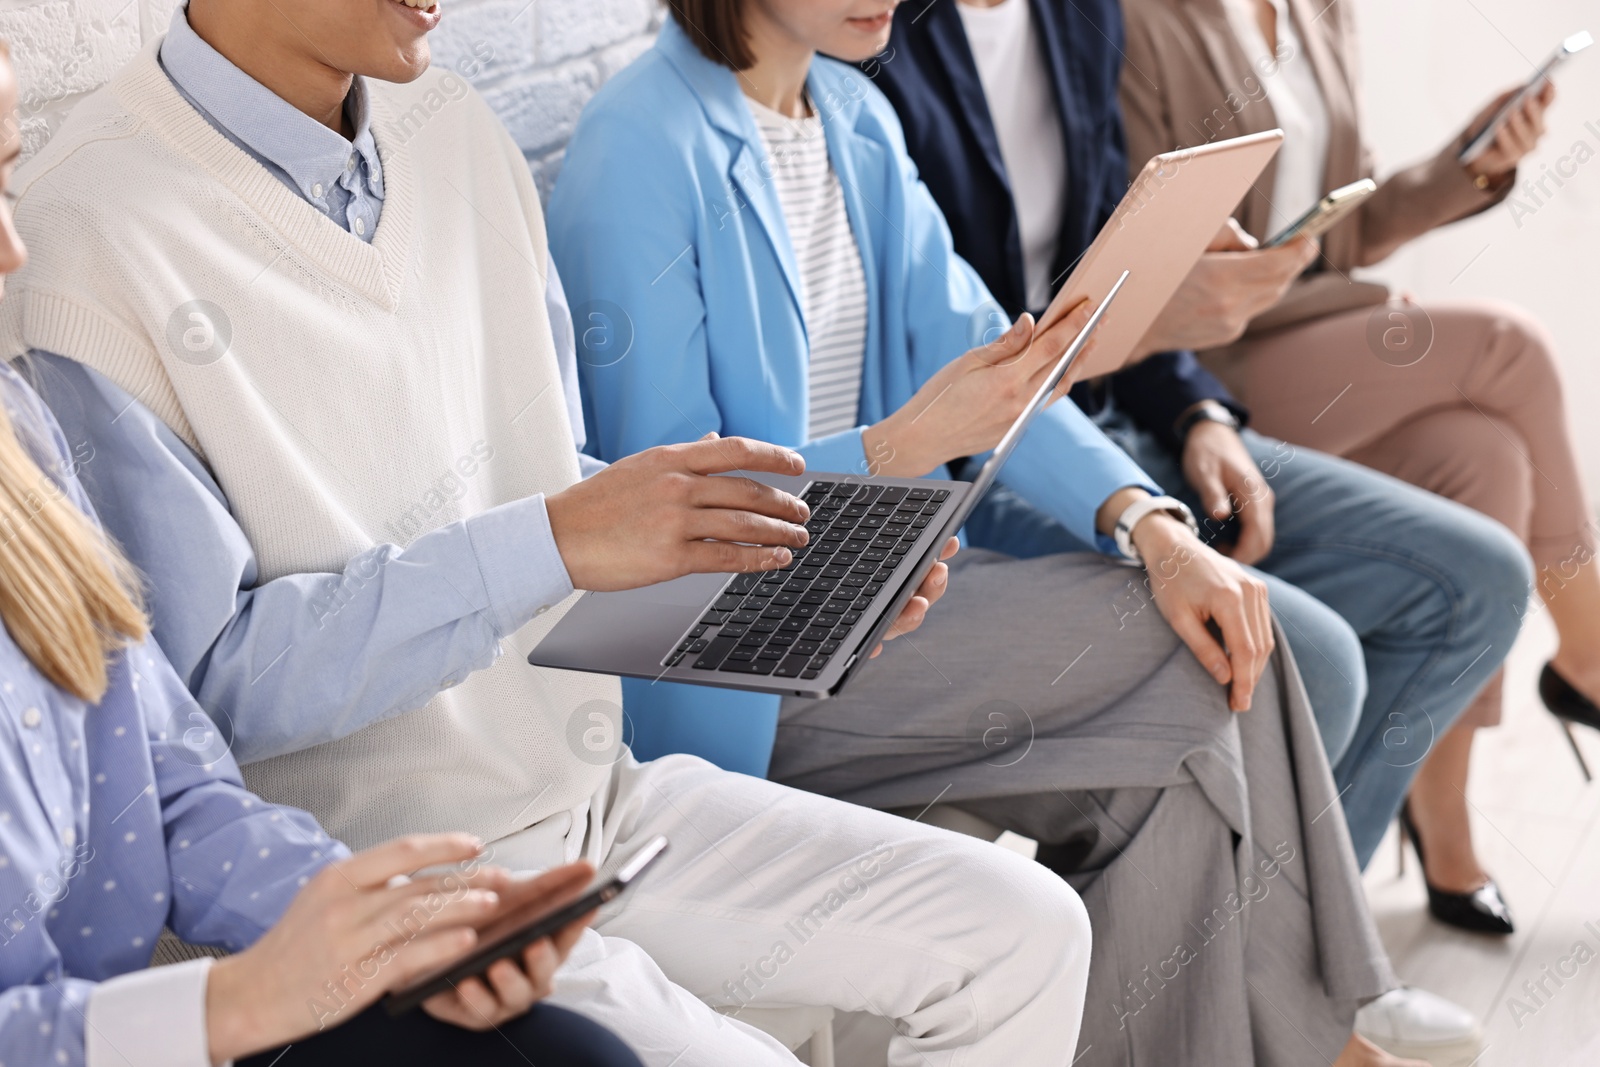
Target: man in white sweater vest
x=291 y=294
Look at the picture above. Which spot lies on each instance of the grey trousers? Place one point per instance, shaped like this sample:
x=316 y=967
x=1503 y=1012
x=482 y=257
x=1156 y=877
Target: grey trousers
x=1049 y=697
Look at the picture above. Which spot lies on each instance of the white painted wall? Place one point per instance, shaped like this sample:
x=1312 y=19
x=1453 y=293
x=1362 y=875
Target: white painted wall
x=1430 y=64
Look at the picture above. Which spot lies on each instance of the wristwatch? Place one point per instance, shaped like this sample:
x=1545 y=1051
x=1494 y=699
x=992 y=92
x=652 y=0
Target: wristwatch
x=1136 y=513
x=1206 y=411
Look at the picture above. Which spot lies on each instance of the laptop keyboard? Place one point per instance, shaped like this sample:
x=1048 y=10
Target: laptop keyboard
x=789 y=623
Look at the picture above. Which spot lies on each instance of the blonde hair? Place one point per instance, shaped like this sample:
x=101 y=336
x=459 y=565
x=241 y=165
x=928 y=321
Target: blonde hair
x=68 y=598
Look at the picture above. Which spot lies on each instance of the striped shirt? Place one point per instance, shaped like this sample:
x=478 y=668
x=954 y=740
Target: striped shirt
x=833 y=286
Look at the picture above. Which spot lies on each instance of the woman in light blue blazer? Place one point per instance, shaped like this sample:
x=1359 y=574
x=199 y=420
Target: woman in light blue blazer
x=711 y=192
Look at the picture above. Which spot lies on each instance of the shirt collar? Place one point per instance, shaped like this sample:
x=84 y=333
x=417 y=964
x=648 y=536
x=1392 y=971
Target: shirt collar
x=311 y=154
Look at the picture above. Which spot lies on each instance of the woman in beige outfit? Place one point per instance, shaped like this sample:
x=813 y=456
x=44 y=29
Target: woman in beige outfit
x=1461 y=399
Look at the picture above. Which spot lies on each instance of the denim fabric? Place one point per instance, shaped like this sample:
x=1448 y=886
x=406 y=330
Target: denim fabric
x=1432 y=591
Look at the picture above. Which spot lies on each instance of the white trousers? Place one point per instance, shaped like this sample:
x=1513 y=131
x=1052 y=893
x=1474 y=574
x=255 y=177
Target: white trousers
x=770 y=897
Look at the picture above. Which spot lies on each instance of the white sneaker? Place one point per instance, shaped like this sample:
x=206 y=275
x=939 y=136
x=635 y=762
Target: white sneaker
x=1415 y=1024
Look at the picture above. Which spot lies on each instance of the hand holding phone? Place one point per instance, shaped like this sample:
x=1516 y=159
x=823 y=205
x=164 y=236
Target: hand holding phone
x=551 y=910
x=1514 y=103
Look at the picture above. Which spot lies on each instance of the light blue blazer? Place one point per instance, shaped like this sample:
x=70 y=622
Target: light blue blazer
x=671 y=244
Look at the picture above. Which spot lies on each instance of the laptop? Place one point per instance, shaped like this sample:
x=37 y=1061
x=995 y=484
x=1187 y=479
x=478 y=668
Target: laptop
x=803 y=630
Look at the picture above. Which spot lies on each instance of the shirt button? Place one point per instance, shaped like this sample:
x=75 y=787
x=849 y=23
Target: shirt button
x=350 y=164
x=31 y=718
x=316 y=190
x=361 y=227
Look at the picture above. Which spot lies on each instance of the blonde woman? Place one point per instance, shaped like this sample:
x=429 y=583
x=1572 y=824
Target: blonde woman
x=121 y=812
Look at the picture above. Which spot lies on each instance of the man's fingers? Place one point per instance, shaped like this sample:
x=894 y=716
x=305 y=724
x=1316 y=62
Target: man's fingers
x=911 y=617
x=935 y=584
x=377 y=865
x=723 y=454
x=1213 y=493
x=747 y=494
x=1192 y=632
x=951 y=547
x=723 y=524
x=724 y=557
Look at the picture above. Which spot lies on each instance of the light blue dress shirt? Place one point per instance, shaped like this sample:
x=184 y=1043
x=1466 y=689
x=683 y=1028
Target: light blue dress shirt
x=287 y=671
x=117 y=820
x=342 y=179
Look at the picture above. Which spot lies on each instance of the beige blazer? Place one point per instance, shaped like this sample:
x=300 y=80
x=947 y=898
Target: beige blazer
x=1188 y=82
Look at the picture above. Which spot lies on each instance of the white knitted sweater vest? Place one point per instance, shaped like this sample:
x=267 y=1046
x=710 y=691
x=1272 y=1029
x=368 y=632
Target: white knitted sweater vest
x=330 y=384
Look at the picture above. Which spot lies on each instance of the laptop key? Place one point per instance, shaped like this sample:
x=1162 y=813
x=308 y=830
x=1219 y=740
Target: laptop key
x=699 y=646
x=817 y=633
x=715 y=653
x=744 y=617
x=828 y=648
x=809 y=674
x=752 y=640
x=785 y=599
x=941 y=494
x=731 y=630
x=850 y=618
x=920 y=494
x=893 y=494
x=805 y=648
x=727 y=602
x=803 y=611
x=841 y=632
x=780 y=639
x=740 y=655
x=819 y=661
x=835 y=607
x=816 y=596
x=765 y=626
x=770 y=653
x=790 y=668
x=743 y=583
x=792 y=626
x=714 y=618
x=755 y=666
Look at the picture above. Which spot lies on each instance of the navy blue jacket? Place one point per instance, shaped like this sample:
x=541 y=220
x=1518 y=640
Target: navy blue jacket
x=929 y=75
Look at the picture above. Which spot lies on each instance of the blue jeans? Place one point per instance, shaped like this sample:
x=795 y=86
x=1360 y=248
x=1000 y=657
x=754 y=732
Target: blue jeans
x=1398 y=605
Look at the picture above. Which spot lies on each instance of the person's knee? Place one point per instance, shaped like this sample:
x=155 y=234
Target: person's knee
x=1039 y=932
x=1498 y=579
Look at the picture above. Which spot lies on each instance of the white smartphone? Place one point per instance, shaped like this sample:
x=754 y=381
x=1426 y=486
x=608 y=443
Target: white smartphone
x=1569 y=48
x=1326 y=213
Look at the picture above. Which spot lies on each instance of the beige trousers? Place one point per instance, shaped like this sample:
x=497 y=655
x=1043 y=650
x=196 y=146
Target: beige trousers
x=1464 y=400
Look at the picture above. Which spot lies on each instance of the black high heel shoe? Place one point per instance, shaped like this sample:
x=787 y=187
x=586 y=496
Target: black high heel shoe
x=1483 y=911
x=1569 y=706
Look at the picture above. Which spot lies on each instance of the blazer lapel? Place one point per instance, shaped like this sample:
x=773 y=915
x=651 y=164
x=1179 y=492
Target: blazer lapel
x=1073 y=99
x=949 y=39
x=749 y=189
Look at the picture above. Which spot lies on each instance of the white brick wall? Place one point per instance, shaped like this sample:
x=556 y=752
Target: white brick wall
x=536 y=61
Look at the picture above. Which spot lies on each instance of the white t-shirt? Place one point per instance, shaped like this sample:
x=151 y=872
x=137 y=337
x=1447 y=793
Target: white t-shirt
x=1296 y=97
x=833 y=284
x=1022 y=106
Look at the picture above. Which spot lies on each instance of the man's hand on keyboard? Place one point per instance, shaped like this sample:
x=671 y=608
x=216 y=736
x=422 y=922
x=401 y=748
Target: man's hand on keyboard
x=660 y=514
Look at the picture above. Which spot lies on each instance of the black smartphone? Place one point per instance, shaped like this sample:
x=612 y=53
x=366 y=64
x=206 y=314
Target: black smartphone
x=506 y=938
